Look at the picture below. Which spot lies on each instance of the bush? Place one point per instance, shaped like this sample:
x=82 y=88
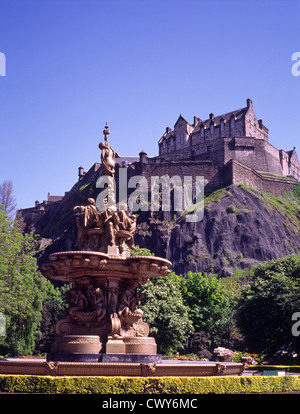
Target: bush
x=166 y=313
x=209 y=308
x=22 y=288
x=54 y=305
x=266 y=305
x=231 y=209
x=147 y=385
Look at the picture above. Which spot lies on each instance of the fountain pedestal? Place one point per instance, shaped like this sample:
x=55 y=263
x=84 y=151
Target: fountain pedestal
x=103 y=321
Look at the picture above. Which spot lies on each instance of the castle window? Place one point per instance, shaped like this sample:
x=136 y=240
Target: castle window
x=212 y=129
x=222 y=125
x=232 y=123
x=178 y=139
x=164 y=144
x=202 y=132
x=172 y=142
x=182 y=139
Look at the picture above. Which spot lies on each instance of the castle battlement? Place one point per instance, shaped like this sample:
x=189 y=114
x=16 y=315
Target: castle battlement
x=237 y=135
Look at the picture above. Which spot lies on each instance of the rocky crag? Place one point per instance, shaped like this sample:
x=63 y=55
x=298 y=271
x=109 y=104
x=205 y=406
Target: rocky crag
x=240 y=228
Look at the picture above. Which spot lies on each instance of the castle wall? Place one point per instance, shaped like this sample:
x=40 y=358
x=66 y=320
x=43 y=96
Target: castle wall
x=242 y=174
x=207 y=150
x=254 y=127
x=294 y=167
x=215 y=176
x=258 y=154
x=255 y=153
x=212 y=172
x=186 y=136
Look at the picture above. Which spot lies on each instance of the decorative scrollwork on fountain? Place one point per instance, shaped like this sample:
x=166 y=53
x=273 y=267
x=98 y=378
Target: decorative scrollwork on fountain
x=86 y=305
x=141 y=328
x=128 y=309
x=64 y=327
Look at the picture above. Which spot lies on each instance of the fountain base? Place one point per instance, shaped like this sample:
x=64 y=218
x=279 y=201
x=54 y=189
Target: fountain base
x=88 y=348
x=148 y=369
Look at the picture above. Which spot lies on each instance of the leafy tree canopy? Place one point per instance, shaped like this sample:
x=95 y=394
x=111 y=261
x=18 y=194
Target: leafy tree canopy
x=22 y=288
x=266 y=305
x=166 y=313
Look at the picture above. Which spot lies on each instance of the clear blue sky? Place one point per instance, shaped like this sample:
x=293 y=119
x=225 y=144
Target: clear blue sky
x=72 y=65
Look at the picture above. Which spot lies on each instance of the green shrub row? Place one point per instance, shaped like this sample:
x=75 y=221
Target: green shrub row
x=147 y=385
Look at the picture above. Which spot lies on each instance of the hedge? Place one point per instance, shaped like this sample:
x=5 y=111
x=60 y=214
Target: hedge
x=147 y=385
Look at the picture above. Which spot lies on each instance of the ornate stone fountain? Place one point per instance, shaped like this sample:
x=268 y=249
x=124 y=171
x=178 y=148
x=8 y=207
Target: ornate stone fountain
x=103 y=321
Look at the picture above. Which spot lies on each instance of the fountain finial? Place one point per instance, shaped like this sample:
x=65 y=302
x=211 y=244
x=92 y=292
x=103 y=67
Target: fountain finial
x=107 y=155
x=106 y=132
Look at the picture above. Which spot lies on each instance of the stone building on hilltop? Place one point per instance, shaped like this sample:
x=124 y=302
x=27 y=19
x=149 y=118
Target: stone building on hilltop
x=237 y=135
x=232 y=148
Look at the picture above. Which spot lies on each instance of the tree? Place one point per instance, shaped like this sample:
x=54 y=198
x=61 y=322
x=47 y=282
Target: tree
x=166 y=314
x=164 y=310
x=7 y=199
x=266 y=305
x=209 y=308
x=54 y=306
x=22 y=288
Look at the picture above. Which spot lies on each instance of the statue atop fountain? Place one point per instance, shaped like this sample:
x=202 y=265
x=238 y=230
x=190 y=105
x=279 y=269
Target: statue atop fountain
x=107 y=155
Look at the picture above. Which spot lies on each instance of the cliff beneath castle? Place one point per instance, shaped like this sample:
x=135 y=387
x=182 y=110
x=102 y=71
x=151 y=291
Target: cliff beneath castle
x=240 y=228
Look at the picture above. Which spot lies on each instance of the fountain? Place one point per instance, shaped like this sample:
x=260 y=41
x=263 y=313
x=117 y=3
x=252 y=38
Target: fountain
x=102 y=331
x=103 y=321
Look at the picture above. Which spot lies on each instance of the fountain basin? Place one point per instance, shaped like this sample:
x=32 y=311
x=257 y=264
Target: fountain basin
x=73 y=265
x=104 y=306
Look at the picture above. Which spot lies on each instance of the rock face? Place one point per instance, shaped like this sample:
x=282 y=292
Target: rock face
x=240 y=228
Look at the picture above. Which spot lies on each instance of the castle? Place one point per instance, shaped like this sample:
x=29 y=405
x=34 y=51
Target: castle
x=232 y=148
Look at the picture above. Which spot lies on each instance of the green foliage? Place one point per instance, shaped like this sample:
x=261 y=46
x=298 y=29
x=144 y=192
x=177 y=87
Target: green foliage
x=231 y=209
x=289 y=266
x=296 y=191
x=141 y=251
x=209 y=305
x=266 y=305
x=85 y=186
x=288 y=203
x=22 y=289
x=54 y=306
x=239 y=279
x=147 y=385
x=215 y=196
x=166 y=313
